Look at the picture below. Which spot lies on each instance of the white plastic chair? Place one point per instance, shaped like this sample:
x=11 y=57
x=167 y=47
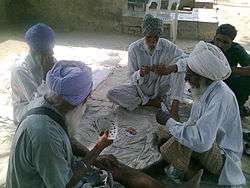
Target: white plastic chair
x=168 y=16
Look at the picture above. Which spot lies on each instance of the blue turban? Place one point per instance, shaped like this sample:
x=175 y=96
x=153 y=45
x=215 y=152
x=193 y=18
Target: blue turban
x=40 y=38
x=152 y=25
x=70 y=79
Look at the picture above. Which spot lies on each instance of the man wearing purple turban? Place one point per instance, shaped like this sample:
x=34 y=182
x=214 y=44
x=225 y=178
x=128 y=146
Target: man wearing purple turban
x=27 y=78
x=42 y=152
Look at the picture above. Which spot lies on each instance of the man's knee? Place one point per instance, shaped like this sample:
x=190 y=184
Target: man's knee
x=176 y=154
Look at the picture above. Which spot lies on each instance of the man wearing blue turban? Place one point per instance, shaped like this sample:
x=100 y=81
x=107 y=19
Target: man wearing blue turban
x=42 y=150
x=27 y=78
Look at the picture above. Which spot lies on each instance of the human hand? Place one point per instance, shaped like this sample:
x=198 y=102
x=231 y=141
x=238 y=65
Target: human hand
x=175 y=116
x=103 y=141
x=162 y=69
x=145 y=69
x=47 y=64
x=162 y=117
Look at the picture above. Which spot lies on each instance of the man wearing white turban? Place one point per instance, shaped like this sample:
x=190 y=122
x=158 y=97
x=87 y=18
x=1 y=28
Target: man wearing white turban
x=213 y=134
x=147 y=61
x=41 y=153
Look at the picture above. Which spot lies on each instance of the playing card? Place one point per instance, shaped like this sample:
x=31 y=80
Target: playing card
x=113 y=131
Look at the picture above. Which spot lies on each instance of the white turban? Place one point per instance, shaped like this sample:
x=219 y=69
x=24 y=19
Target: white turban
x=209 y=61
x=70 y=79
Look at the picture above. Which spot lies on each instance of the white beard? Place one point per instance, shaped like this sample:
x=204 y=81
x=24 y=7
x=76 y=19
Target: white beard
x=73 y=119
x=149 y=51
x=198 y=92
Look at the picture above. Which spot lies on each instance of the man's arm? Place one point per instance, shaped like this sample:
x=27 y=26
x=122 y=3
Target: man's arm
x=101 y=144
x=244 y=57
x=177 y=90
x=77 y=148
x=133 y=67
x=201 y=136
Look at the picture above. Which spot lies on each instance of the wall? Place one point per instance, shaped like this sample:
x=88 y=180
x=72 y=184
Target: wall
x=3 y=17
x=78 y=14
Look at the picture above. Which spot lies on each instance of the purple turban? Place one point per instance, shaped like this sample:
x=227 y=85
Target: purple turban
x=40 y=38
x=70 y=79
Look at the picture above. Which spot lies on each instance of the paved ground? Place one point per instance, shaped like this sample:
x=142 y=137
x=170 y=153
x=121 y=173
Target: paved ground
x=11 y=41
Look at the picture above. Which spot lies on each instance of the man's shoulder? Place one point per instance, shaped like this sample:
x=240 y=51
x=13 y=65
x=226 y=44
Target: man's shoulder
x=223 y=92
x=38 y=125
x=136 y=44
x=165 y=42
x=42 y=128
x=19 y=69
x=237 y=47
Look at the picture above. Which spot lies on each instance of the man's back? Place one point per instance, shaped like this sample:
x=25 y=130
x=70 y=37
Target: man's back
x=41 y=154
x=237 y=55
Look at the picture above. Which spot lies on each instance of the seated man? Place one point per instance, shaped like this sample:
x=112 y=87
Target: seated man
x=213 y=134
x=147 y=61
x=41 y=153
x=236 y=55
x=27 y=77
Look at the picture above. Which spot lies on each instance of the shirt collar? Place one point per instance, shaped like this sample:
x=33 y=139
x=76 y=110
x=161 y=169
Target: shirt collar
x=159 y=45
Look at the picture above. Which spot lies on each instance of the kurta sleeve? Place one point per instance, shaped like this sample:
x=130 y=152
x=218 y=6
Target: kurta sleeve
x=177 y=81
x=174 y=54
x=134 y=70
x=177 y=86
x=23 y=91
x=181 y=65
x=201 y=136
x=50 y=158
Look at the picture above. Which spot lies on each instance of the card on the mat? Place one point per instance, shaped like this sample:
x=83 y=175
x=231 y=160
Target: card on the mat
x=113 y=131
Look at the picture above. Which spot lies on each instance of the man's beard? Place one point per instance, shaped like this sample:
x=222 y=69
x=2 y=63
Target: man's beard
x=198 y=92
x=73 y=119
x=149 y=49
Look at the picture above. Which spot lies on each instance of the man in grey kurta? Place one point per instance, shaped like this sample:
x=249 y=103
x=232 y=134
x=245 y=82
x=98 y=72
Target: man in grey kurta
x=147 y=61
x=41 y=153
x=27 y=79
x=213 y=134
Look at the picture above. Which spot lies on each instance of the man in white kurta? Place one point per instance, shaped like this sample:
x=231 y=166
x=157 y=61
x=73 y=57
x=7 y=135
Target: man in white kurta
x=27 y=78
x=147 y=61
x=213 y=133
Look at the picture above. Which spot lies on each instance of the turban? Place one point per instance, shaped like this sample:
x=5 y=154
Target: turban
x=209 y=61
x=40 y=38
x=70 y=79
x=152 y=25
